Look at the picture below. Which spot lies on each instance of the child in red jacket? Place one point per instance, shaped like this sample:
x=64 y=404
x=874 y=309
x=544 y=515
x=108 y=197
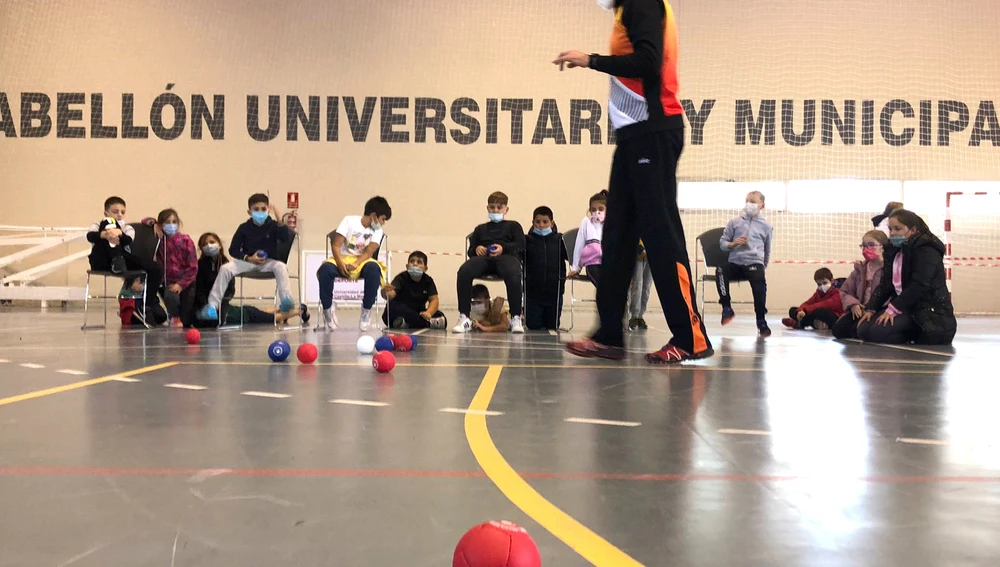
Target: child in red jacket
x=821 y=310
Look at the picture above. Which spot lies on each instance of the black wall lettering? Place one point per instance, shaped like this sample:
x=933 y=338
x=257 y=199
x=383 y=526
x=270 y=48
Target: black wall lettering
x=698 y=118
x=29 y=114
x=745 y=123
x=830 y=119
x=129 y=130
x=156 y=116
x=492 y=118
x=64 y=114
x=986 y=126
x=867 y=122
x=422 y=121
x=97 y=127
x=465 y=120
x=788 y=123
x=6 y=118
x=389 y=119
x=273 y=118
x=332 y=119
x=946 y=125
x=295 y=115
x=549 y=113
x=925 y=123
x=577 y=123
x=885 y=122
x=215 y=120
x=516 y=107
x=359 y=125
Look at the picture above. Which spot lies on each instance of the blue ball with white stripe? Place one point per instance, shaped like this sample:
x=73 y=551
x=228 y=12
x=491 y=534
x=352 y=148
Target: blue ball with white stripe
x=279 y=351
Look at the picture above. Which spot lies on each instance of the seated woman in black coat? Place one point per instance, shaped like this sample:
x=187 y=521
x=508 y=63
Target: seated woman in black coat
x=912 y=302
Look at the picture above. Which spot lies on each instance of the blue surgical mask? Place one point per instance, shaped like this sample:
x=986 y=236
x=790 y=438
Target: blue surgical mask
x=542 y=231
x=211 y=250
x=415 y=272
x=496 y=217
x=259 y=216
x=170 y=229
x=897 y=240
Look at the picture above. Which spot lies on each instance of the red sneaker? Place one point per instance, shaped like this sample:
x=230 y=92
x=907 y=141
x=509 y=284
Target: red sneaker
x=790 y=323
x=670 y=354
x=126 y=307
x=590 y=349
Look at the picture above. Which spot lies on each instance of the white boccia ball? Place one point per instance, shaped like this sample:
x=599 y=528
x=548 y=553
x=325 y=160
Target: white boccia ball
x=366 y=344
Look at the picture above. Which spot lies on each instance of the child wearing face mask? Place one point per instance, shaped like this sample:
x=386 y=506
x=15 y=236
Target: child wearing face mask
x=212 y=258
x=820 y=311
x=545 y=272
x=413 y=298
x=912 y=302
x=488 y=315
x=253 y=249
x=495 y=248
x=176 y=253
x=747 y=238
x=587 y=252
x=857 y=289
x=354 y=245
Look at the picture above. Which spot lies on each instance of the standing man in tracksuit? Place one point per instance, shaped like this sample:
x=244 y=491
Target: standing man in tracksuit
x=642 y=203
x=747 y=238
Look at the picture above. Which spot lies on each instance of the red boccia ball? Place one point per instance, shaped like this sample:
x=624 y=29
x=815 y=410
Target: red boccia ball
x=192 y=336
x=383 y=361
x=496 y=544
x=307 y=353
x=402 y=343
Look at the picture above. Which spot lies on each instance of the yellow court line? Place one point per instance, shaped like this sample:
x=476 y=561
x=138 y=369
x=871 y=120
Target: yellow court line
x=82 y=384
x=660 y=367
x=578 y=537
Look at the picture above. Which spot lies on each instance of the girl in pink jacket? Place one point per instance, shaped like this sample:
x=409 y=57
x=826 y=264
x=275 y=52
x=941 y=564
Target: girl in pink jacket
x=857 y=290
x=176 y=253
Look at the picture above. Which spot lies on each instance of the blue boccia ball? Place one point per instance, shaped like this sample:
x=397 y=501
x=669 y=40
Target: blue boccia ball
x=261 y=254
x=383 y=343
x=413 y=340
x=279 y=351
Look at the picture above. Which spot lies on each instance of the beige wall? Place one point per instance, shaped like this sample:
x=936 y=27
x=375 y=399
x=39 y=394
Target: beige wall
x=731 y=49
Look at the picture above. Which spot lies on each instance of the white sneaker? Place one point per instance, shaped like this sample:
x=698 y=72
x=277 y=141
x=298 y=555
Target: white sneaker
x=366 y=319
x=464 y=324
x=330 y=318
x=516 y=325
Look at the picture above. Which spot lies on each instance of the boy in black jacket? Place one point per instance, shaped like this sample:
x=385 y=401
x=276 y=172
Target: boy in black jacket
x=253 y=249
x=495 y=248
x=545 y=272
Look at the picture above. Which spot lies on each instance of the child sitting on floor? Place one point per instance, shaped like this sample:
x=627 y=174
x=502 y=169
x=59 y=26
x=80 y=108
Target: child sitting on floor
x=821 y=310
x=489 y=316
x=413 y=298
x=858 y=288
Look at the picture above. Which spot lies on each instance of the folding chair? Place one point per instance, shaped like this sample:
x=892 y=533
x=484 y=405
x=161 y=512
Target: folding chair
x=715 y=257
x=386 y=259
x=569 y=241
x=143 y=246
x=496 y=278
x=284 y=253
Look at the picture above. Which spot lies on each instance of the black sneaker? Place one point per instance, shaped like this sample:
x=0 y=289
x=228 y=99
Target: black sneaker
x=763 y=329
x=304 y=313
x=633 y=324
x=399 y=323
x=642 y=323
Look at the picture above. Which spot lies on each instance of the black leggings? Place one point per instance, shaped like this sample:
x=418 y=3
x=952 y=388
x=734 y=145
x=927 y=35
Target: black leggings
x=902 y=330
x=397 y=309
x=846 y=327
x=822 y=315
x=506 y=266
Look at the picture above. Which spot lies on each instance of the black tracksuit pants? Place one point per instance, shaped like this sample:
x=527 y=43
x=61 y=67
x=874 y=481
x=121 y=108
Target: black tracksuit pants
x=642 y=203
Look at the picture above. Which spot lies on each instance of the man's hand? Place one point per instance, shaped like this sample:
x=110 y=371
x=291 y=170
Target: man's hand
x=426 y=315
x=497 y=252
x=572 y=59
x=480 y=250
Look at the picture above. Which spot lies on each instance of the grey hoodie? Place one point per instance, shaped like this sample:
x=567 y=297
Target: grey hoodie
x=758 y=231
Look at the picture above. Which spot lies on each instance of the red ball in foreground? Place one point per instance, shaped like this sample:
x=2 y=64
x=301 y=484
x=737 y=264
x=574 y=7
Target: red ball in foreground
x=496 y=544
x=402 y=343
x=383 y=361
x=307 y=353
x=192 y=336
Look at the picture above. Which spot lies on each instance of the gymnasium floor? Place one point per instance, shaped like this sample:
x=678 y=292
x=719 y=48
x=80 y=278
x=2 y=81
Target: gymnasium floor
x=797 y=450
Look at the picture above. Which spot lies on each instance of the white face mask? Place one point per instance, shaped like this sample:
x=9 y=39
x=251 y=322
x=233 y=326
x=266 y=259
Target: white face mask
x=606 y=4
x=375 y=225
x=478 y=310
x=751 y=209
x=824 y=288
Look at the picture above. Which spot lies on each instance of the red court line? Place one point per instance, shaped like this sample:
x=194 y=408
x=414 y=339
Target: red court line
x=414 y=473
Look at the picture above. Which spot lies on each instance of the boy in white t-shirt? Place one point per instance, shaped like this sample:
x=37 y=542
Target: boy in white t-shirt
x=354 y=244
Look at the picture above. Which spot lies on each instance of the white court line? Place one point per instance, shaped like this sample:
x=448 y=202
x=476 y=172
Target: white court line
x=205 y=474
x=72 y=372
x=743 y=432
x=186 y=386
x=903 y=347
x=32 y=365
x=553 y=332
x=420 y=332
x=359 y=403
x=602 y=422
x=125 y=379
x=473 y=412
x=913 y=441
x=266 y=394
x=3 y=360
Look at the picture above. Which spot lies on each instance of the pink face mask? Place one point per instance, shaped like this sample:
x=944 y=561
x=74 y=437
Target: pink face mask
x=870 y=253
x=597 y=216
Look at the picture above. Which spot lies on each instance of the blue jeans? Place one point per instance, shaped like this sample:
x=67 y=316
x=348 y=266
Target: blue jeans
x=328 y=271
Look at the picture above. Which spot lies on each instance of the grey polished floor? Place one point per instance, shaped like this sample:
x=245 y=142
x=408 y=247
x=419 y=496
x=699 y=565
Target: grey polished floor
x=795 y=450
